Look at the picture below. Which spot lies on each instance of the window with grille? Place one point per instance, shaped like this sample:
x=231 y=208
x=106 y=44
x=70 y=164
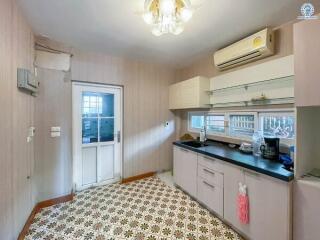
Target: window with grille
x=281 y=125
x=215 y=123
x=242 y=125
x=97 y=117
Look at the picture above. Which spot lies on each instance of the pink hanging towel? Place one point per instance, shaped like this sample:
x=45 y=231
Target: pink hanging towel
x=243 y=204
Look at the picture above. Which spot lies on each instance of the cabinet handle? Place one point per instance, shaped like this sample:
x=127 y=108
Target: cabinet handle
x=28 y=177
x=208 y=184
x=208 y=171
x=185 y=150
x=208 y=158
x=251 y=173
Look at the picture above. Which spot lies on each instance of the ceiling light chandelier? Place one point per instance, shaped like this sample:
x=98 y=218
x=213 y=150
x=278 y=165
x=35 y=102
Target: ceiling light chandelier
x=167 y=16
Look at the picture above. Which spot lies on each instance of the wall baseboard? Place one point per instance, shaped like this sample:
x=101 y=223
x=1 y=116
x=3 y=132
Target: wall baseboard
x=138 y=177
x=55 y=201
x=37 y=208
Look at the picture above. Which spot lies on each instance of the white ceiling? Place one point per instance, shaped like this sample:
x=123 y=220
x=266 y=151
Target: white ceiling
x=114 y=27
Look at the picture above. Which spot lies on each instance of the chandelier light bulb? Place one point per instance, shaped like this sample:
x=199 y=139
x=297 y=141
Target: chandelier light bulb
x=157 y=32
x=167 y=7
x=167 y=16
x=178 y=30
x=186 y=14
x=148 y=17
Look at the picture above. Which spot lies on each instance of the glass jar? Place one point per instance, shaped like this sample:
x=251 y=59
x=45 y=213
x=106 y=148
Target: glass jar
x=257 y=140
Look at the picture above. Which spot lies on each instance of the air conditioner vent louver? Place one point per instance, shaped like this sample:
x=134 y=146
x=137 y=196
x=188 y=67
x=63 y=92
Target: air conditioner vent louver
x=247 y=50
x=239 y=60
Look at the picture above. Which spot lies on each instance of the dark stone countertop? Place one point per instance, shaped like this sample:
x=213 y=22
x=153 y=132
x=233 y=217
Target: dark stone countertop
x=233 y=155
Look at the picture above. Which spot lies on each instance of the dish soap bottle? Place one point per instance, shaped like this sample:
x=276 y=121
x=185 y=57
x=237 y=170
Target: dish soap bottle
x=257 y=140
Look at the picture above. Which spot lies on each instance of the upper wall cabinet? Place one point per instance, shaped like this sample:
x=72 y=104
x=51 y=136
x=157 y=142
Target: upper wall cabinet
x=192 y=93
x=270 y=82
x=306 y=64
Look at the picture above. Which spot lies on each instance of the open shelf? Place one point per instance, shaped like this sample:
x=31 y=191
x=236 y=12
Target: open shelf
x=275 y=101
x=288 y=79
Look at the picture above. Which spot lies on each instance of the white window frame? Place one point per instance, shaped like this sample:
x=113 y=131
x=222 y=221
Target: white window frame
x=257 y=122
x=213 y=133
x=242 y=137
x=280 y=113
x=190 y=114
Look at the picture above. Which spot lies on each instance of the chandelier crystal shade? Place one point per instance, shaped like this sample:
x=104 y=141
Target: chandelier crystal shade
x=167 y=16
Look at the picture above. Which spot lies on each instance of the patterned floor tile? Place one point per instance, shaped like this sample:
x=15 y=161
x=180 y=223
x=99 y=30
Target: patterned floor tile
x=147 y=209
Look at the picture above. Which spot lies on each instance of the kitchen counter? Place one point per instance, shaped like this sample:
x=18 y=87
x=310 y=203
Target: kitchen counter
x=233 y=155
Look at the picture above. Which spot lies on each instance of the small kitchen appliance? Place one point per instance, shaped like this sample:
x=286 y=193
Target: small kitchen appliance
x=270 y=148
x=246 y=147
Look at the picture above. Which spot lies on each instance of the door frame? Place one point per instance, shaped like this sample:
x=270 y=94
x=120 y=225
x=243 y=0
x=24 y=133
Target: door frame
x=75 y=133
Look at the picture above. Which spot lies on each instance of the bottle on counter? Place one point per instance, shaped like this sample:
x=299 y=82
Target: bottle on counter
x=257 y=141
x=203 y=135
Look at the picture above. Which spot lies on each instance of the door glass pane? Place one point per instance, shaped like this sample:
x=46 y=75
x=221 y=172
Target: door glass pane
x=89 y=130
x=90 y=104
x=106 y=129
x=107 y=105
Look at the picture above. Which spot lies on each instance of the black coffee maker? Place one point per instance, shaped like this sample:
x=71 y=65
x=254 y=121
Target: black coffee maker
x=270 y=148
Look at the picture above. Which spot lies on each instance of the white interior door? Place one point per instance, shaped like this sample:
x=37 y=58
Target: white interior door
x=97 y=134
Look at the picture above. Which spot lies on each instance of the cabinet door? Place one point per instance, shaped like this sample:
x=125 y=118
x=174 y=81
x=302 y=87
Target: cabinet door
x=269 y=208
x=306 y=209
x=190 y=93
x=232 y=177
x=306 y=66
x=185 y=170
x=177 y=166
x=269 y=204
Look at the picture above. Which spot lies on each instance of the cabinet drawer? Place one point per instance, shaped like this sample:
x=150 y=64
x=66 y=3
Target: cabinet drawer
x=210 y=195
x=210 y=175
x=210 y=163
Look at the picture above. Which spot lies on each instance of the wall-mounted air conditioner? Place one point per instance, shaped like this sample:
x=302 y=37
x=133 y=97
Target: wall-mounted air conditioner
x=256 y=46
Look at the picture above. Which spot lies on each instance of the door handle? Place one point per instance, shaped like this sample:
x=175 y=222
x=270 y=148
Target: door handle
x=119 y=136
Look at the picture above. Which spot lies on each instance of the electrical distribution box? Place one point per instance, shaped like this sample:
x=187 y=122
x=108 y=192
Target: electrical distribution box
x=27 y=81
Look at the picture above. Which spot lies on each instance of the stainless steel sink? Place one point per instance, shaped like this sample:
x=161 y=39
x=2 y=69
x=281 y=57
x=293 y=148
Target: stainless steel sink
x=195 y=144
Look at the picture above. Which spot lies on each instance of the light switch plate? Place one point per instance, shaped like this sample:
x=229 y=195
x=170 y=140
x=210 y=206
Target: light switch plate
x=55 y=134
x=31 y=131
x=55 y=129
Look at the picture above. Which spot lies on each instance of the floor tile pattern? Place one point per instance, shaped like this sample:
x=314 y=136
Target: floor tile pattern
x=146 y=209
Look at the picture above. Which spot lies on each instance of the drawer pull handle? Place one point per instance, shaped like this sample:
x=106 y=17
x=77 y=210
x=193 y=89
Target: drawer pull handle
x=208 y=184
x=185 y=150
x=251 y=173
x=208 y=158
x=208 y=171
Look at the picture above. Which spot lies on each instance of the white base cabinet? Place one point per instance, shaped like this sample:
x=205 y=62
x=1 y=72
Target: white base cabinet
x=185 y=170
x=215 y=183
x=269 y=204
